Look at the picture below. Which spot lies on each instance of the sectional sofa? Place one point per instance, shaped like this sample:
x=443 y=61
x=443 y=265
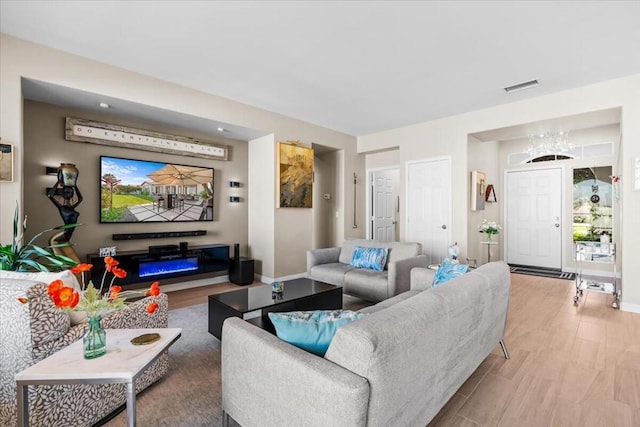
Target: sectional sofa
x=397 y=366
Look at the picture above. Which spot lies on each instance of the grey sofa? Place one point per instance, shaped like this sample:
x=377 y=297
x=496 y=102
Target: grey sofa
x=332 y=265
x=33 y=331
x=398 y=366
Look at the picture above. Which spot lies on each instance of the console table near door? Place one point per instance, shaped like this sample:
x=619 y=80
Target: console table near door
x=123 y=363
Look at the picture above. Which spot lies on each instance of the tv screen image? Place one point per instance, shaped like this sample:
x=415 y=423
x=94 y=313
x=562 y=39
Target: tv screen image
x=144 y=191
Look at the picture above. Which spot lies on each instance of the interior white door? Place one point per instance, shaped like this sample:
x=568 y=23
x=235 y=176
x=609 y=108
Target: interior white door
x=384 y=204
x=429 y=206
x=534 y=218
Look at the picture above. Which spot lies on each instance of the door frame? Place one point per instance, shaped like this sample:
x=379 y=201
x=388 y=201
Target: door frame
x=564 y=218
x=369 y=195
x=406 y=192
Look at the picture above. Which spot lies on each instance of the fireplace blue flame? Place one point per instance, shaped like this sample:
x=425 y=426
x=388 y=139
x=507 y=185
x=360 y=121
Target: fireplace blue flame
x=168 y=266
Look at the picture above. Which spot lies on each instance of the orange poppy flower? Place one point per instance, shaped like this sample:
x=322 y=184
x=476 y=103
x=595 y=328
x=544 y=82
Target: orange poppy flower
x=152 y=307
x=54 y=287
x=23 y=300
x=115 y=292
x=118 y=272
x=154 y=290
x=66 y=297
x=109 y=263
x=81 y=268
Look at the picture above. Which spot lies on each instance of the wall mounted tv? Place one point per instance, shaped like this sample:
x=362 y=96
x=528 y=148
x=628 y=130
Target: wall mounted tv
x=143 y=191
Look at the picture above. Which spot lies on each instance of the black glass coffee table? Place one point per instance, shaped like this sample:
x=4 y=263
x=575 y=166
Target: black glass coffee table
x=254 y=303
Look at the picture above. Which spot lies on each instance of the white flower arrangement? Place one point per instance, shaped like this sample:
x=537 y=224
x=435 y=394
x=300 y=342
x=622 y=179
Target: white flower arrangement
x=489 y=227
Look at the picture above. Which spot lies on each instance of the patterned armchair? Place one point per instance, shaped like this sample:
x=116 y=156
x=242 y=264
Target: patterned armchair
x=31 y=332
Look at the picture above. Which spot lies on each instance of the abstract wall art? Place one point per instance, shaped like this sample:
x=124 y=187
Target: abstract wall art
x=295 y=175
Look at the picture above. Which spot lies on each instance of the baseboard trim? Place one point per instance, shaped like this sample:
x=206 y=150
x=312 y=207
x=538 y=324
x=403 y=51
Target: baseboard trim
x=632 y=308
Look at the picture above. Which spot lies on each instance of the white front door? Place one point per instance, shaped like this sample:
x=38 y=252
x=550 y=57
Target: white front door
x=384 y=204
x=429 y=206
x=534 y=218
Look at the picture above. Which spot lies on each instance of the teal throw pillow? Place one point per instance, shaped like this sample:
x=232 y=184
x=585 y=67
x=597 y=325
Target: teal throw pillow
x=447 y=271
x=311 y=330
x=369 y=258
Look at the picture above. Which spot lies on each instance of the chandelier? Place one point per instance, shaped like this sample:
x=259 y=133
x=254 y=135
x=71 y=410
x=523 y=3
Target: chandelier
x=549 y=143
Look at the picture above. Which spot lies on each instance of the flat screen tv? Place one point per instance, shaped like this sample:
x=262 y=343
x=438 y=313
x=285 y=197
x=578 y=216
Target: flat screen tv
x=143 y=191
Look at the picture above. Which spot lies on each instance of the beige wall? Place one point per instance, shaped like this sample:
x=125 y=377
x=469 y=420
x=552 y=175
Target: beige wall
x=449 y=136
x=324 y=209
x=45 y=145
x=19 y=58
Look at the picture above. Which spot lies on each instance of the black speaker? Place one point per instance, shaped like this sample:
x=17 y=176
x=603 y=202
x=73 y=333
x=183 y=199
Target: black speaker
x=184 y=246
x=236 y=251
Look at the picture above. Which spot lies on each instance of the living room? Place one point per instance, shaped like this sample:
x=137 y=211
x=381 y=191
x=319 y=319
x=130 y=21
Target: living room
x=471 y=140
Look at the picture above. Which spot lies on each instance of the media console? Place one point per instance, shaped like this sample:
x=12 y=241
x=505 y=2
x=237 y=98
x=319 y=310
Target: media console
x=164 y=262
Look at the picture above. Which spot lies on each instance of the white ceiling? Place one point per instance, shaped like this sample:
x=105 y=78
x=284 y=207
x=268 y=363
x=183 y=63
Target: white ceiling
x=359 y=66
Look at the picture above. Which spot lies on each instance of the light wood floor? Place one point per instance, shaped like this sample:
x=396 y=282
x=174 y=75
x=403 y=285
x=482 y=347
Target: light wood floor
x=570 y=365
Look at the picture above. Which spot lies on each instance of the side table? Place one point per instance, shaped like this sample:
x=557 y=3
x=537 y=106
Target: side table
x=489 y=244
x=122 y=364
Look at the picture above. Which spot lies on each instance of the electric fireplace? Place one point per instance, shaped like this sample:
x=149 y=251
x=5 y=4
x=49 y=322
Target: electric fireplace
x=151 y=269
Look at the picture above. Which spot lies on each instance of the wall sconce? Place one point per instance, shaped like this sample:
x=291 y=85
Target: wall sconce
x=234 y=199
x=234 y=184
x=51 y=170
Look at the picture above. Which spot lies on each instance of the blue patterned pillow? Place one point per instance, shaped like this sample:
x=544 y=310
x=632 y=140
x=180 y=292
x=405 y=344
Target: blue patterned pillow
x=369 y=258
x=311 y=330
x=447 y=271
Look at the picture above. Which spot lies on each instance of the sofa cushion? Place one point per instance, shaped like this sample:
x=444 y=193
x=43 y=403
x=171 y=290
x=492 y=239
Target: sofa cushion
x=367 y=284
x=311 y=330
x=447 y=271
x=332 y=273
x=369 y=258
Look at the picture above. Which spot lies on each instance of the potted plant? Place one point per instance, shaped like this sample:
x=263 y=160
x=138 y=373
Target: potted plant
x=17 y=256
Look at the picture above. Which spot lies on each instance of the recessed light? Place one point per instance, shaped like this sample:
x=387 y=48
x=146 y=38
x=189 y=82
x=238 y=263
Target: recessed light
x=521 y=86
x=104 y=105
x=221 y=129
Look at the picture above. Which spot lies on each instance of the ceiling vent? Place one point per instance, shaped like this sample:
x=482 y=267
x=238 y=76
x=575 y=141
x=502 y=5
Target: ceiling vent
x=521 y=86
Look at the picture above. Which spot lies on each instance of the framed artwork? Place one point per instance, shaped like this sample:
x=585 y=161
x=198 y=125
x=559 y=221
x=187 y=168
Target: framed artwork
x=478 y=189
x=6 y=163
x=295 y=175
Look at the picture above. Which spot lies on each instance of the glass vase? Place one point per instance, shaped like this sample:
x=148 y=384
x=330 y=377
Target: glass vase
x=489 y=237
x=95 y=340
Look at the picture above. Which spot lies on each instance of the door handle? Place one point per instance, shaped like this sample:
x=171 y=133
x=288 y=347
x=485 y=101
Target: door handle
x=444 y=227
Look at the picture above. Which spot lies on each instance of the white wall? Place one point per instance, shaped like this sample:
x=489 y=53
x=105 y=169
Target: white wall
x=19 y=58
x=449 y=136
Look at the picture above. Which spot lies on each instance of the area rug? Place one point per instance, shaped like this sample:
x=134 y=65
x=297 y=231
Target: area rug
x=543 y=272
x=190 y=394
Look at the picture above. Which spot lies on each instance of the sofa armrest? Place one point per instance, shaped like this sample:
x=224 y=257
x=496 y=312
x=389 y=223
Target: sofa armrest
x=322 y=256
x=266 y=381
x=400 y=273
x=421 y=278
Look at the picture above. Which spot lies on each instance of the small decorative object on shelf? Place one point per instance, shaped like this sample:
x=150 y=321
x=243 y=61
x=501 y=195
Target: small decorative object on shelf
x=96 y=301
x=489 y=228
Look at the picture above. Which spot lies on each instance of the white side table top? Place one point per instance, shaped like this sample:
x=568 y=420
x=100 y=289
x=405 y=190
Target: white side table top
x=493 y=242
x=123 y=360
